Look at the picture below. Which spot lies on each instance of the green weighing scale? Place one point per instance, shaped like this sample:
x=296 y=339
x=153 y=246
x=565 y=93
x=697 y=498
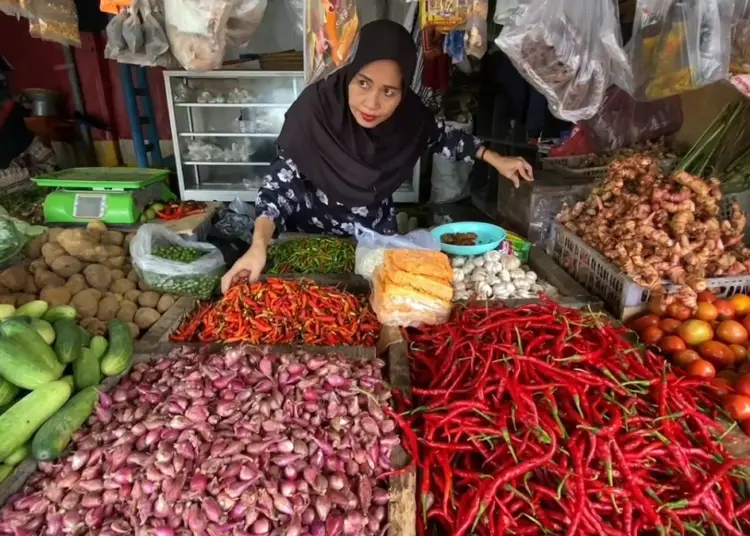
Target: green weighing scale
x=113 y=195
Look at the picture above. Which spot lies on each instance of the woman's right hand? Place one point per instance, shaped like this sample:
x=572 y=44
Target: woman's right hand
x=249 y=267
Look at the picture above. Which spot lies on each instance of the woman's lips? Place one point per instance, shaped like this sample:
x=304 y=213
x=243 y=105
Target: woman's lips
x=368 y=118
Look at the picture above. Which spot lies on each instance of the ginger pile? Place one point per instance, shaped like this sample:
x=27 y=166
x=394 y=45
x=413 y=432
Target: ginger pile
x=661 y=228
x=412 y=287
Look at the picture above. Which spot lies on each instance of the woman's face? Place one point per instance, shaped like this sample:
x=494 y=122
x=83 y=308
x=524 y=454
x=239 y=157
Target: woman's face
x=375 y=92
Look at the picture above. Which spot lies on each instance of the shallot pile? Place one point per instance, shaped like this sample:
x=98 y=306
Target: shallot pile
x=659 y=227
x=241 y=442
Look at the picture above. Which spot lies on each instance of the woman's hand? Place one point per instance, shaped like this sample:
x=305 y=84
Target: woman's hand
x=514 y=168
x=249 y=267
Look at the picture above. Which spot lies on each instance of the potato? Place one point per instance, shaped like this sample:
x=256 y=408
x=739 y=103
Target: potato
x=14 y=277
x=120 y=297
x=5 y=290
x=165 y=302
x=133 y=276
x=86 y=302
x=128 y=239
x=83 y=245
x=98 y=276
x=94 y=326
x=51 y=251
x=148 y=299
x=8 y=299
x=143 y=285
x=114 y=262
x=48 y=279
x=127 y=311
x=132 y=295
x=96 y=226
x=117 y=274
x=52 y=234
x=38 y=265
x=108 y=307
x=113 y=238
x=127 y=266
x=76 y=284
x=55 y=296
x=145 y=317
x=121 y=286
x=33 y=249
x=30 y=287
x=114 y=251
x=134 y=330
x=23 y=298
x=66 y=266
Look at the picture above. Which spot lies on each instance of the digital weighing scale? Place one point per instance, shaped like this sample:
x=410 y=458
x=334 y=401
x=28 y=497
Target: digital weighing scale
x=113 y=195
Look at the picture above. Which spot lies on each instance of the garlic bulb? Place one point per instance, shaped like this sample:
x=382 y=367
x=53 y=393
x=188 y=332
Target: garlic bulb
x=517 y=273
x=458 y=275
x=510 y=262
x=458 y=262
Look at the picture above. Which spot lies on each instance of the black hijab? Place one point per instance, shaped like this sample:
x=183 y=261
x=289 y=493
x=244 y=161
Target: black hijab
x=353 y=165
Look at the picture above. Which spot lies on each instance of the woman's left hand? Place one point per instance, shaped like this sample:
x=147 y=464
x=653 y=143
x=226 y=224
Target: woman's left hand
x=514 y=168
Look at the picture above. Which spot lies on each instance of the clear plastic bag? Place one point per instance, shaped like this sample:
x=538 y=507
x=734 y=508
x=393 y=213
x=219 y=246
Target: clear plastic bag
x=565 y=49
x=12 y=241
x=154 y=37
x=296 y=10
x=244 y=21
x=10 y=7
x=371 y=247
x=132 y=29
x=445 y=15
x=677 y=46
x=622 y=121
x=740 y=55
x=196 y=30
x=403 y=310
x=505 y=10
x=55 y=20
x=476 y=29
x=115 y=41
x=154 y=50
x=198 y=279
x=331 y=36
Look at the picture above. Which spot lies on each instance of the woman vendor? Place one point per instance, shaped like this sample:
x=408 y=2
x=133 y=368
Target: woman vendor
x=348 y=142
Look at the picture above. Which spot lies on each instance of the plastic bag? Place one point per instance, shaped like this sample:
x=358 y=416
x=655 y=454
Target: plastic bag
x=12 y=241
x=677 y=46
x=450 y=179
x=132 y=29
x=445 y=15
x=55 y=20
x=331 y=36
x=505 y=10
x=198 y=279
x=150 y=36
x=243 y=21
x=371 y=247
x=115 y=41
x=622 y=121
x=740 y=54
x=402 y=310
x=236 y=221
x=196 y=30
x=10 y=7
x=476 y=29
x=564 y=48
x=154 y=37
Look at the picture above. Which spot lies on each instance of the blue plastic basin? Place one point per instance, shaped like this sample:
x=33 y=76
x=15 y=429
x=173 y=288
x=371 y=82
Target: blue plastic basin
x=489 y=237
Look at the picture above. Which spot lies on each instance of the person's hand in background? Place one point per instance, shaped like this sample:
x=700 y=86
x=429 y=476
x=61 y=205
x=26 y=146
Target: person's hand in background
x=247 y=267
x=514 y=168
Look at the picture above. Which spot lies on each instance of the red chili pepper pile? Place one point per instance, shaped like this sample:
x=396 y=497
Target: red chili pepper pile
x=278 y=311
x=540 y=420
x=175 y=210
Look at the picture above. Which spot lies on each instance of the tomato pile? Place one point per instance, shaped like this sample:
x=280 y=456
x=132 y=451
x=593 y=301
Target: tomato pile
x=708 y=341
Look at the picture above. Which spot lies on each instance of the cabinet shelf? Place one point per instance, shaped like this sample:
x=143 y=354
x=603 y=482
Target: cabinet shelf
x=231 y=105
x=226 y=135
x=215 y=163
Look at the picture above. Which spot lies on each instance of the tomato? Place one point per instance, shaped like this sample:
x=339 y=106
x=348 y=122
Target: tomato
x=732 y=332
x=725 y=308
x=706 y=296
x=741 y=303
x=706 y=311
x=679 y=311
x=723 y=386
x=717 y=353
x=672 y=344
x=669 y=325
x=701 y=369
x=643 y=322
x=744 y=368
x=746 y=323
x=685 y=357
x=651 y=335
x=738 y=407
x=728 y=374
x=740 y=353
x=695 y=332
x=742 y=385
x=657 y=305
x=745 y=427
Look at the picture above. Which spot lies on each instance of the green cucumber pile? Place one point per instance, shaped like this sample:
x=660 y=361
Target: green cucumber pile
x=49 y=372
x=200 y=286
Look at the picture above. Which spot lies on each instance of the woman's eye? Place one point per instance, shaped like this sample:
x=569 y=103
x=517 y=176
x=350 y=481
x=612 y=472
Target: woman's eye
x=363 y=84
x=388 y=92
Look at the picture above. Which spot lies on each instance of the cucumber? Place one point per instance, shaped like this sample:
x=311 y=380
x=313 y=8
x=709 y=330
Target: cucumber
x=55 y=434
x=98 y=345
x=86 y=370
x=6 y=311
x=44 y=329
x=69 y=341
x=24 y=368
x=8 y=392
x=34 y=309
x=19 y=455
x=23 y=419
x=69 y=380
x=61 y=312
x=21 y=331
x=85 y=337
x=119 y=355
x=5 y=471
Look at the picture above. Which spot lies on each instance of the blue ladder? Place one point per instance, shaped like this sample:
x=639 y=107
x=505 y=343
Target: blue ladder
x=135 y=96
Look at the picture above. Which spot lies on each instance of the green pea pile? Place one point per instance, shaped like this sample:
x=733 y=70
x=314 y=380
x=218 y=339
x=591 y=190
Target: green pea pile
x=199 y=286
x=178 y=253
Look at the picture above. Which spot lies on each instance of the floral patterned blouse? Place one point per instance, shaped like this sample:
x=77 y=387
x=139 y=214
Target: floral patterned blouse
x=296 y=205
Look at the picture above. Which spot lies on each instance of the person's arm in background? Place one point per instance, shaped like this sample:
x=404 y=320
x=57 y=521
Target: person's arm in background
x=272 y=209
x=455 y=144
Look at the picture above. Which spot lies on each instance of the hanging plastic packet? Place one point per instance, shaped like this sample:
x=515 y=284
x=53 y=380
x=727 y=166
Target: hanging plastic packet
x=115 y=41
x=740 y=54
x=10 y=7
x=453 y=46
x=476 y=29
x=565 y=49
x=56 y=21
x=244 y=21
x=445 y=15
x=132 y=29
x=332 y=31
x=154 y=38
x=196 y=30
x=677 y=46
x=505 y=10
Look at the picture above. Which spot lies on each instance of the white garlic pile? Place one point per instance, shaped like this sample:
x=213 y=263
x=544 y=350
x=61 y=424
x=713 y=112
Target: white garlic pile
x=495 y=276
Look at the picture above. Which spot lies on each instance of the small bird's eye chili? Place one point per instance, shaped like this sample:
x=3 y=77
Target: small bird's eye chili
x=546 y=420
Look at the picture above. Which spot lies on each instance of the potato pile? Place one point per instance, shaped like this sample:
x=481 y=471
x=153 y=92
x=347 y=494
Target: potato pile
x=89 y=269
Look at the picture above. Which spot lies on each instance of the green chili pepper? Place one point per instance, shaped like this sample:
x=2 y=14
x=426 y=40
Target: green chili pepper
x=319 y=255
